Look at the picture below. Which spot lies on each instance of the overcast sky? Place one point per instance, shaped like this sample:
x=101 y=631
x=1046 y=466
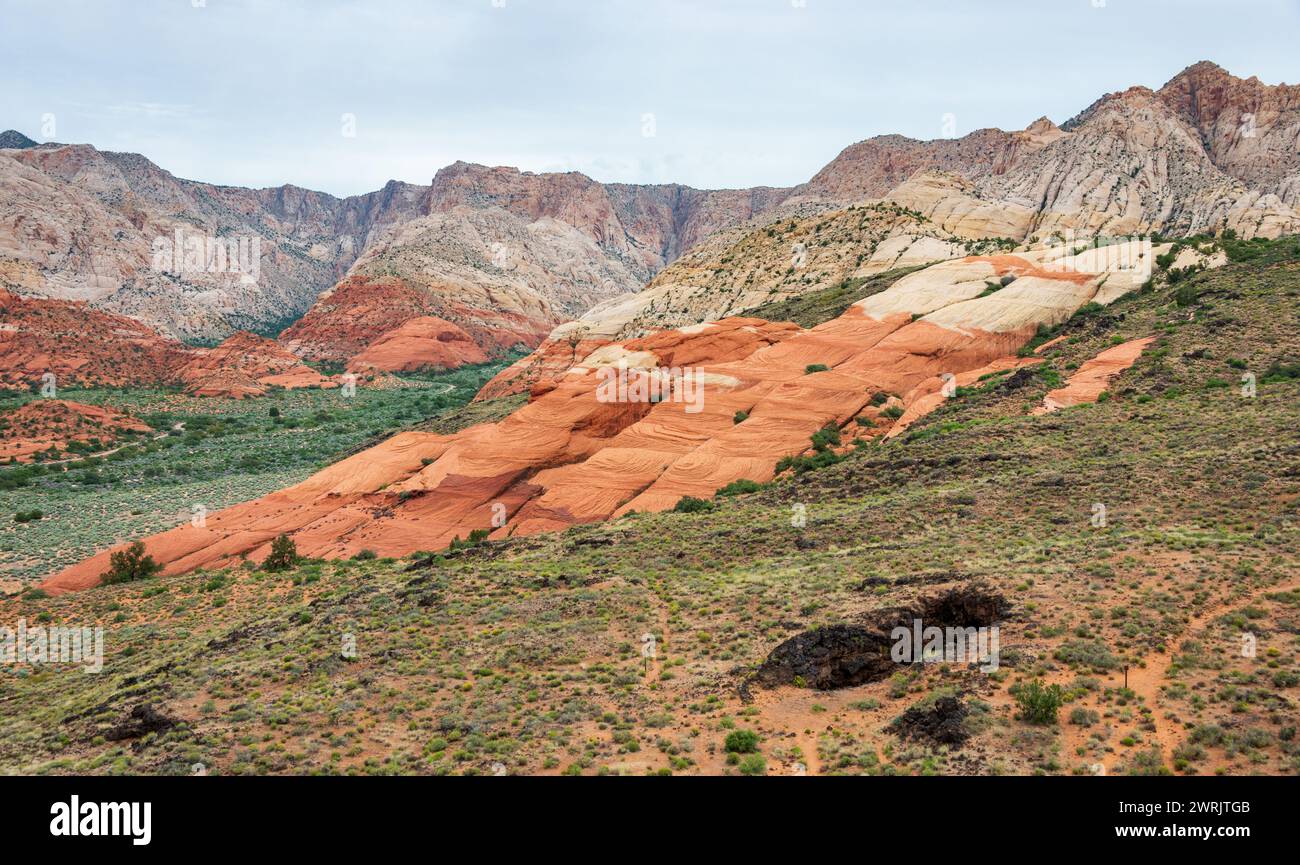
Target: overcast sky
x=735 y=92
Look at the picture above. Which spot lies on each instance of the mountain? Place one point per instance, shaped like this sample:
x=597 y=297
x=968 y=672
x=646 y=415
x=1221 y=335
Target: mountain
x=1178 y=161
x=113 y=229
x=506 y=254
x=11 y=139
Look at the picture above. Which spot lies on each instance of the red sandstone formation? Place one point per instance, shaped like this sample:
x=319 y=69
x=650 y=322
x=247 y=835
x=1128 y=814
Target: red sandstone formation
x=79 y=345
x=247 y=365
x=361 y=311
x=576 y=453
x=44 y=423
x=426 y=342
x=552 y=359
x=1091 y=380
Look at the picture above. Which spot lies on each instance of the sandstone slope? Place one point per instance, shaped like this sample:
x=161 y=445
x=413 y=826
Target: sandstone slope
x=572 y=455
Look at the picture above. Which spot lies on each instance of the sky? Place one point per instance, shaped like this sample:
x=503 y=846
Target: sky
x=343 y=95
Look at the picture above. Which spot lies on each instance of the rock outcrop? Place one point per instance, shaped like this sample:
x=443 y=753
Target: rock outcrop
x=79 y=345
x=1092 y=378
x=807 y=249
x=247 y=365
x=62 y=343
x=42 y=424
x=418 y=344
x=607 y=438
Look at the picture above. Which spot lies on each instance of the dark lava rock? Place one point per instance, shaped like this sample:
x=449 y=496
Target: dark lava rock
x=941 y=724
x=144 y=718
x=836 y=656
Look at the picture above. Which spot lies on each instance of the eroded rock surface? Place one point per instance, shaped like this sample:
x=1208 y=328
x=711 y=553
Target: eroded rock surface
x=578 y=454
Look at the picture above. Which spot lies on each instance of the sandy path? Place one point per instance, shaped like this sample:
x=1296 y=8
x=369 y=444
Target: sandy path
x=1146 y=681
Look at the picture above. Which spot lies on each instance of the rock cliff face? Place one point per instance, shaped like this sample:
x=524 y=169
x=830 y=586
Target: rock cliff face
x=1250 y=130
x=84 y=224
x=612 y=436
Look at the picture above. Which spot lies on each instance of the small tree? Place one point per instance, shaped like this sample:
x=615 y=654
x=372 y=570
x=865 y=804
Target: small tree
x=284 y=554
x=130 y=564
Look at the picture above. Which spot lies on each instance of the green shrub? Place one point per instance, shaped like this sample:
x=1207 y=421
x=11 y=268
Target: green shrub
x=824 y=438
x=740 y=487
x=740 y=417
x=692 y=505
x=741 y=742
x=815 y=367
x=1038 y=704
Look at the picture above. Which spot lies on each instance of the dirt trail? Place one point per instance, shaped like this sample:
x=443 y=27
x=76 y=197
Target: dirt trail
x=180 y=427
x=1145 y=682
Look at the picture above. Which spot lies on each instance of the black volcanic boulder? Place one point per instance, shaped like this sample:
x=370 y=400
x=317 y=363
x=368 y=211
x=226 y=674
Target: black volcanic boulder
x=835 y=656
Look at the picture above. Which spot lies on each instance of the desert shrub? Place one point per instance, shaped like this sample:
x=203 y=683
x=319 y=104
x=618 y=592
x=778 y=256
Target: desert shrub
x=1087 y=653
x=825 y=437
x=130 y=564
x=741 y=742
x=1039 y=704
x=284 y=554
x=815 y=367
x=476 y=537
x=740 y=417
x=740 y=487
x=692 y=505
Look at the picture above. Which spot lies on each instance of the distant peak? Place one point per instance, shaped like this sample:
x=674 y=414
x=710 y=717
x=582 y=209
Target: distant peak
x=1041 y=125
x=12 y=139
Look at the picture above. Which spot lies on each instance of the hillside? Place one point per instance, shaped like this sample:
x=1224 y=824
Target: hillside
x=524 y=655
